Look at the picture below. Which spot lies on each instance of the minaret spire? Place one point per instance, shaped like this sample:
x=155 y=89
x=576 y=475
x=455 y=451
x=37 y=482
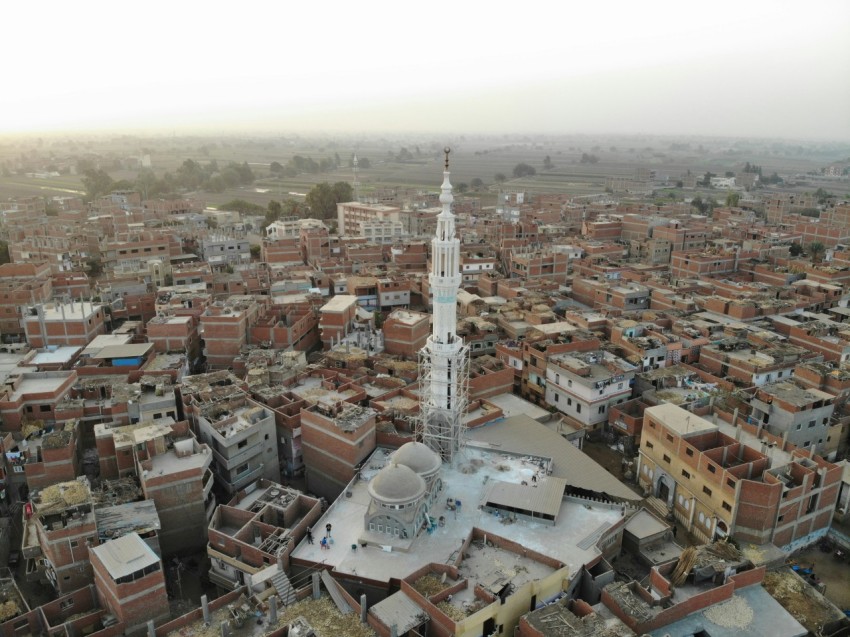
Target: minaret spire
x=444 y=359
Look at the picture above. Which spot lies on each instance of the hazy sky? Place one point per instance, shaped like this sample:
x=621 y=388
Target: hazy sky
x=761 y=68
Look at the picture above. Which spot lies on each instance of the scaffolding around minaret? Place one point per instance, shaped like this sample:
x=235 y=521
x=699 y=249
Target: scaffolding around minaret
x=441 y=426
x=444 y=360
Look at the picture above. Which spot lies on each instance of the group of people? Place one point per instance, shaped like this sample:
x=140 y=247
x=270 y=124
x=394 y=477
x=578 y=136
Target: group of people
x=326 y=541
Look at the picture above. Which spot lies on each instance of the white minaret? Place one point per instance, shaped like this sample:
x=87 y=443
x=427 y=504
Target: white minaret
x=444 y=359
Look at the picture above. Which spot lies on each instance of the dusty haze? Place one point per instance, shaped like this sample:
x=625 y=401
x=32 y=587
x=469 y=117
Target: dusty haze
x=777 y=69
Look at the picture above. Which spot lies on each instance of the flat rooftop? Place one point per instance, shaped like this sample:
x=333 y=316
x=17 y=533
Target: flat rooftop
x=680 y=420
x=751 y=612
x=797 y=396
x=513 y=405
x=39 y=383
x=59 y=355
x=68 y=311
x=105 y=340
x=125 y=555
x=570 y=540
x=407 y=317
x=339 y=303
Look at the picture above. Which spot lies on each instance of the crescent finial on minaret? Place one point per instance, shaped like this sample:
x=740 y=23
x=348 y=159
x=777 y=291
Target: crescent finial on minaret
x=447 y=150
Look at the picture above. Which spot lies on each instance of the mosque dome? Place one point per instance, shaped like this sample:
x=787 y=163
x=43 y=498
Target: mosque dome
x=419 y=457
x=396 y=484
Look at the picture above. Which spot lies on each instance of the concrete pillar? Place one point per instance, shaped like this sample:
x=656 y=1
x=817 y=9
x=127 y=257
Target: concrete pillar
x=205 y=607
x=393 y=631
x=273 y=610
x=317 y=593
x=151 y=629
x=363 y=608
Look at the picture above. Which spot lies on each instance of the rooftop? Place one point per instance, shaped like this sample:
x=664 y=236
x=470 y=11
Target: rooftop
x=339 y=303
x=791 y=393
x=125 y=555
x=570 y=540
x=680 y=420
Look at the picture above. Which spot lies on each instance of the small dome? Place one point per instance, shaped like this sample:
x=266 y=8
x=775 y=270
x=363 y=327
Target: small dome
x=418 y=457
x=396 y=483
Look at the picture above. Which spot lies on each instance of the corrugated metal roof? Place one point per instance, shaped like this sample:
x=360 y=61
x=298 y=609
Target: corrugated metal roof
x=125 y=555
x=541 y=498
x=400 y=611
x=524 y=435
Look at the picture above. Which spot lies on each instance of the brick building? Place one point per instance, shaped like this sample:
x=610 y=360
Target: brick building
x=130 y=582
x=405 y=332
x=335 y=439
x=336 y=318
x=21 y=284
x=226 y=328
x=719 y=484
x=64 y=323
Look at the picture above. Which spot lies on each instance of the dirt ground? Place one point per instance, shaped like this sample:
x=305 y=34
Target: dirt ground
x=835 y=574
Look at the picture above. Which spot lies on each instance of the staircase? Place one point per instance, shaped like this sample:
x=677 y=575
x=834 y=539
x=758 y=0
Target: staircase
x=659 y=507
x=284 y=588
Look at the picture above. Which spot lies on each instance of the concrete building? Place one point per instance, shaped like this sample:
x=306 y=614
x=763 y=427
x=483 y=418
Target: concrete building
x=242 y=436
x=458 y=544
x=221 y=251
x=584 y=385
x=798 y=415
x=720 y=480
x=351 y=214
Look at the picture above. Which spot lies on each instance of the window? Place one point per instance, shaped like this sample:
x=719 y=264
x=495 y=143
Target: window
x=706 y=491
x=68 y=603
x=242 y=469
x=685 y=474
x=578 y=408
x=569 y=382
x=669 y=438
x=811 y=424
x=689 y=451
x=601 y=409
x=712 y=468
x=730 y=482
x=556 y=397
x=242 y=444
x=74 y=544
x=44 y=407
x=666 y=458
x=727 y=506
x=569 y=402
x=649 y=445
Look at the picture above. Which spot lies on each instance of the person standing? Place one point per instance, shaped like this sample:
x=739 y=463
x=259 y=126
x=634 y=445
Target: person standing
x=309 y=535
x=328 y=529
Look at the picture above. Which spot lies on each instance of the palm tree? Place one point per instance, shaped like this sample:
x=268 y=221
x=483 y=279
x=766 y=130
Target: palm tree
x=816 y=251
